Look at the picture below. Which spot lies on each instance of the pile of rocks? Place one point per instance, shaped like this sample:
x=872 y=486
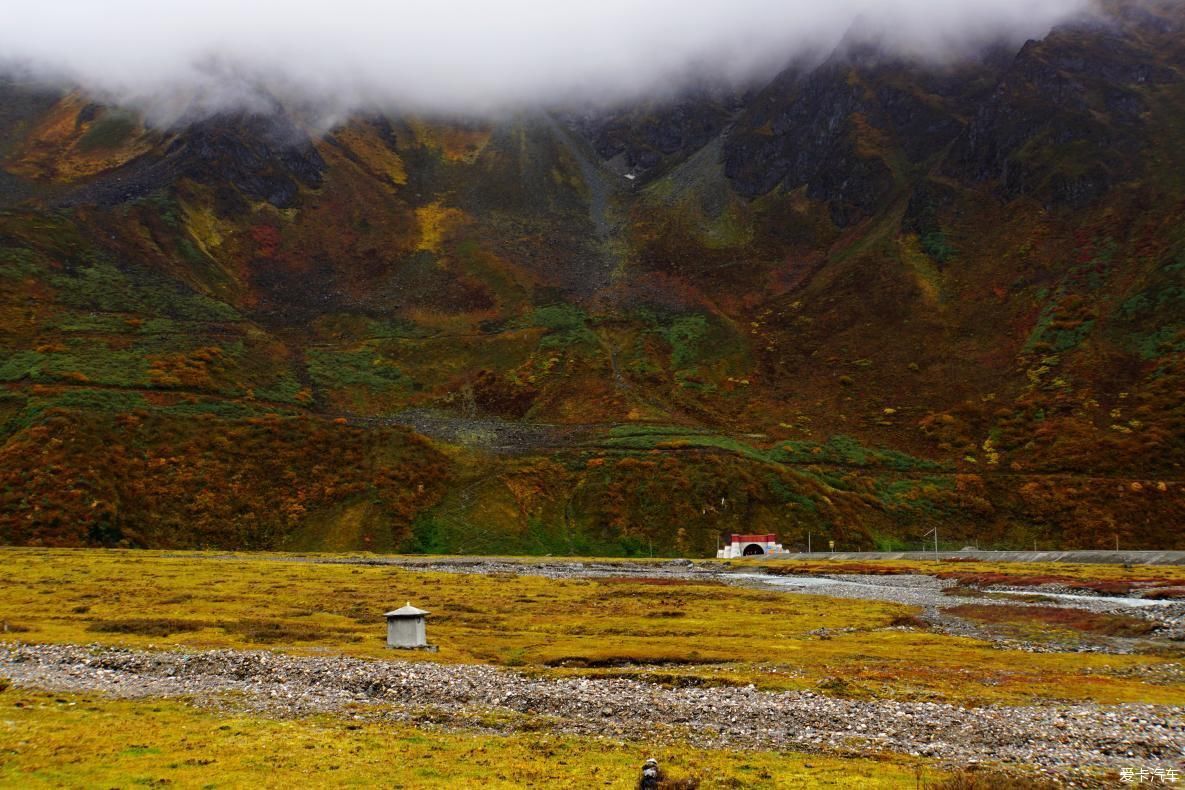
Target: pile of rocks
x=1066 y=738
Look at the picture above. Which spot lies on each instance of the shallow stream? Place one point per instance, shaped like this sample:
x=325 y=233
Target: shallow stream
x=883 y=588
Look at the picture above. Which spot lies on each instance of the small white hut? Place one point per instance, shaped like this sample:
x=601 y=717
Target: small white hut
x=406 y=628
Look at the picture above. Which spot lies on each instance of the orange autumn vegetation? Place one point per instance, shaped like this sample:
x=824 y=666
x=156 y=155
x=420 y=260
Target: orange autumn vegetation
x=141 y=479
x=191 y=370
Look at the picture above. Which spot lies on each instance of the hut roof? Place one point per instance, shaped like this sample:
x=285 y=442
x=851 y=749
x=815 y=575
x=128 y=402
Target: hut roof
x=407 y=611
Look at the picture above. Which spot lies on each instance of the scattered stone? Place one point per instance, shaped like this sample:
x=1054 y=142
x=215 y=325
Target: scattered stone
x=1061 y=739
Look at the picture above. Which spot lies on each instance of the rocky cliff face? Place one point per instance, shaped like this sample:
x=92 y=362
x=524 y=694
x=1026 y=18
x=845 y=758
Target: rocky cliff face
x=865 y=297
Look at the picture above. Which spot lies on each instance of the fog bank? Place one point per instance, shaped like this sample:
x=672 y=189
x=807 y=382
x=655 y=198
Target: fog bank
x=465 y=56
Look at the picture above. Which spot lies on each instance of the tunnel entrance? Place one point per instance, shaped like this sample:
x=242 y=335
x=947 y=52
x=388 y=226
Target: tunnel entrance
x=753 y=545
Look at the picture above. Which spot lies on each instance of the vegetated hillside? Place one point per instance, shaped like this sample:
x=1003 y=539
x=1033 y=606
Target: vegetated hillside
x=866 y=298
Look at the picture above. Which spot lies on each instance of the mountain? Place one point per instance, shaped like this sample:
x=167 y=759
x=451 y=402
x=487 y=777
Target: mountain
x=868 y=297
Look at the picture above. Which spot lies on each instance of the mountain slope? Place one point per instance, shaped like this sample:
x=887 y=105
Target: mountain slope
x=869 y=296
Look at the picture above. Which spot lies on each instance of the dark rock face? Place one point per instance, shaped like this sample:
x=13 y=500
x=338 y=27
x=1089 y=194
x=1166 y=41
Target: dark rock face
x=262 y=158
x=1063 y=123
x=242 y=158
x=851 y=129
x=796 y=127
x=1058 y=119
x=918 y=125
x=652 y=136
x=832 y=130
x=1010 y=119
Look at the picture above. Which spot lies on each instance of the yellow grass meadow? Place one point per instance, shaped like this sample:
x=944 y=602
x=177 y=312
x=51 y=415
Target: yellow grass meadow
x=668 y=631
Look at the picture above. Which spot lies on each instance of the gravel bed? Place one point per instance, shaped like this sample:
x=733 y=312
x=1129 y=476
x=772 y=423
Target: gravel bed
x=930 y=594
x=1066 y=739
x=558 y=569
x=921 y=590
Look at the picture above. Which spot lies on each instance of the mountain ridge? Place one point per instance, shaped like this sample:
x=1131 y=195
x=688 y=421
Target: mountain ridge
x=864 y=298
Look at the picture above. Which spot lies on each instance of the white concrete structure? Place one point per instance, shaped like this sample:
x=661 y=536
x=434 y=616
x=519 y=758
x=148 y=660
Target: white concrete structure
x=406 y=628
x=751 y=546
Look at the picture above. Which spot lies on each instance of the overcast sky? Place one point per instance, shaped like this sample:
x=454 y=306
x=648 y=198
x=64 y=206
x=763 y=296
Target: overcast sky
x=463 y=56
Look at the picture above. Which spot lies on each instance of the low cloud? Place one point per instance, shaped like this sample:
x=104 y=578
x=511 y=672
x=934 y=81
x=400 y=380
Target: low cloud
x=464 y=57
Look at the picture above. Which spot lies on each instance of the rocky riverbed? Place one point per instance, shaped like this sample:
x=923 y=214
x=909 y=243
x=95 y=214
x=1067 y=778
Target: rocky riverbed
x=1068 y=740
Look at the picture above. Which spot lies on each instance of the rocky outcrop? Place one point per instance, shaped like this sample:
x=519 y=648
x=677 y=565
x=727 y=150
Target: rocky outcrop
x=838 y=130
x=644 y=140
x=261 y=158
x=1063 y=123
